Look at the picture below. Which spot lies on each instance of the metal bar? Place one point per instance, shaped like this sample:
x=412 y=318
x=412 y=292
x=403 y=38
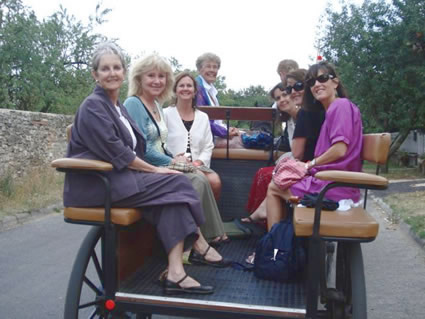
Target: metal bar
x=203 y=308
x=228 y=132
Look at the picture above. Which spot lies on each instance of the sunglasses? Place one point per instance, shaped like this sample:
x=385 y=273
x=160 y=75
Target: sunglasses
x=298 y=86
x=321 y=78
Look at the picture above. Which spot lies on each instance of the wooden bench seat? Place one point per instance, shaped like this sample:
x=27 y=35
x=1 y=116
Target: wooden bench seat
x=244 y=154
x=353 y=223
x=119 y=216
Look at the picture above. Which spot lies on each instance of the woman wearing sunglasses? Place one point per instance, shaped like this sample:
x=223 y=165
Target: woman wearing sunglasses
x=300 y=136
x=338 y=146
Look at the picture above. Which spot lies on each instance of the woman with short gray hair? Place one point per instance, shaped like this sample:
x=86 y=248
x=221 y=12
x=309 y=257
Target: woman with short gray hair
x=103 y=130
x=208 y=65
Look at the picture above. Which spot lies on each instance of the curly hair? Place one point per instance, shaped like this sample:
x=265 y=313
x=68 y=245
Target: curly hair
x=207 y=57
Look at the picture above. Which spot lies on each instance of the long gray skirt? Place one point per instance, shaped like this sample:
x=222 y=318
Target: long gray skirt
x=171 y=204
x=213 y=226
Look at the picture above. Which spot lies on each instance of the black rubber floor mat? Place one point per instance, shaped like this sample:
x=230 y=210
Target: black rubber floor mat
x=236 y=179
x=231 y=285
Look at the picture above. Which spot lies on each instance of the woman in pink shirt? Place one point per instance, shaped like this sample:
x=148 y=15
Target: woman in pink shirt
x=338 y=147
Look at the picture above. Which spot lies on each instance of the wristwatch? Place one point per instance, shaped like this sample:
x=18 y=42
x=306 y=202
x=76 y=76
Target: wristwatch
x=311 y=164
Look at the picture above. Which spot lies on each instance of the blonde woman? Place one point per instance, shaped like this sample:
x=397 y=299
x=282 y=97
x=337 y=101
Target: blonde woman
x=150 y=83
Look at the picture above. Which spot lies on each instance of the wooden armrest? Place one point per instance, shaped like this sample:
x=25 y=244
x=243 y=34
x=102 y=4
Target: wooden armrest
x=352 y=178
x=80 y=163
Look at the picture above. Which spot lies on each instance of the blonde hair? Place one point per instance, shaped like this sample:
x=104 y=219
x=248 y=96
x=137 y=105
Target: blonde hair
x=145 y=65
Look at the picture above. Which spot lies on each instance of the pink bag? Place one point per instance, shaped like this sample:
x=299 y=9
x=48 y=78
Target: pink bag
x=287 y=172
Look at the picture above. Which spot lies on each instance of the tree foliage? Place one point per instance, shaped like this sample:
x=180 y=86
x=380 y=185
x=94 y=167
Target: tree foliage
x=45 y=64
x=251 y=96
x=379 y=49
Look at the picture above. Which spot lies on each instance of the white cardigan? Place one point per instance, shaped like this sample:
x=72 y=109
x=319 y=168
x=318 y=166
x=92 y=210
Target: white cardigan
x=201 y=144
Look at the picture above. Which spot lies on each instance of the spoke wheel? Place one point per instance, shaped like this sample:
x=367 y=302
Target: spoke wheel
x=348 y=299
x=84 y=297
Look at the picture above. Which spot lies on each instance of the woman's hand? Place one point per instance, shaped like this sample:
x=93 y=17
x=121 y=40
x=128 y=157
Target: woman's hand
x=164 y=170
x=233 y=131
x=180 y=158
x=198 y=163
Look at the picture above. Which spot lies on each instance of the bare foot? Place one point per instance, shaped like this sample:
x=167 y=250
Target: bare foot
x=220 y=239
x=213 y=255
x=247 y=220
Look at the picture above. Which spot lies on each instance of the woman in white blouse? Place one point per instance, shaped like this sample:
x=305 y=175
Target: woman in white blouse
x=189 y=131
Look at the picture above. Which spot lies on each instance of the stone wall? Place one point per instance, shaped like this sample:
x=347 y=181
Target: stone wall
x=30 y=139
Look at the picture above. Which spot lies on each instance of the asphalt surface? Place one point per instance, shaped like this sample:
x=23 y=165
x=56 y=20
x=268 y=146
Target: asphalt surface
x=403 y=187
x=36 y=260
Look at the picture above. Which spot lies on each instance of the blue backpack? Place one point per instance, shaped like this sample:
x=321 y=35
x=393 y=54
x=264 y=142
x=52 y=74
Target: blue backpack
x=279 y=254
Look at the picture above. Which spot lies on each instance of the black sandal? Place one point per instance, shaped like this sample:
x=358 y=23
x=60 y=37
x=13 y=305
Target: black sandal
x=199 y=259
x=173 y=288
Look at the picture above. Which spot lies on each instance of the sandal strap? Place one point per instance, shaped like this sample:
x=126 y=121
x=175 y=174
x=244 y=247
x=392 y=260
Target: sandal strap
x=181 y=280
x=206 y=252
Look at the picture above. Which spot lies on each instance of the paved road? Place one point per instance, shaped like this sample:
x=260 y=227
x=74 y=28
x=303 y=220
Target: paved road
x=36 y=258
x=405 y=186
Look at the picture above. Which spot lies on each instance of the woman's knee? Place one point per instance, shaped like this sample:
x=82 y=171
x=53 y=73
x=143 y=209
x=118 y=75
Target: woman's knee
x=214 y=180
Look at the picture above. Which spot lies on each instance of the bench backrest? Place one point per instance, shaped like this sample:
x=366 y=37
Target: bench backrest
x=68 y=132
x=239 y=113
x=376 y=147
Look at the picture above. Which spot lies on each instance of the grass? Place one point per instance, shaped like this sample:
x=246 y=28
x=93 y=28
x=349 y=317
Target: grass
x=409 y=207
x=38 y=189
x=394 y=172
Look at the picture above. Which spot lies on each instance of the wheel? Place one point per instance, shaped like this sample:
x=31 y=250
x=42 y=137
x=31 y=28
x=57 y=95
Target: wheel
x=348 y=299
x=358 y=282
x=85 y=287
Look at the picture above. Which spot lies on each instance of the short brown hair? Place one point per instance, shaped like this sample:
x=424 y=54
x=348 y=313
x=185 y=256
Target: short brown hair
x=287 y=66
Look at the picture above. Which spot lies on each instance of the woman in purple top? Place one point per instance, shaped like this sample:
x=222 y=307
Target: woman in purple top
x=338 y=147
x=103 y=130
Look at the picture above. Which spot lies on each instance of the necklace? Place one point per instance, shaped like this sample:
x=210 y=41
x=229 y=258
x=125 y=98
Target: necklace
x=151 y=109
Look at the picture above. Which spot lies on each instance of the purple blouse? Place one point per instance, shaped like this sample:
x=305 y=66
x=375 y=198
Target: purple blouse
x=343 y=123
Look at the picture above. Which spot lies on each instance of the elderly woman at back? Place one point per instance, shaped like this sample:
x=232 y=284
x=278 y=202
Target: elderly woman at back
x=208 y=65
x=150 y=83
x=103 y=130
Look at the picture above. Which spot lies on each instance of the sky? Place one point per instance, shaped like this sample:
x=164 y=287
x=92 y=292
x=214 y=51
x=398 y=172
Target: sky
x=250 y=36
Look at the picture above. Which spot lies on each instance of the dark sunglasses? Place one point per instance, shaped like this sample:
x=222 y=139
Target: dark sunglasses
x=321 y=78
x=298 y=86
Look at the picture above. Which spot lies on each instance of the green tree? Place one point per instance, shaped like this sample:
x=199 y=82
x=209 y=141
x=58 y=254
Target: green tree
x=251 y=96
x=45 y=65
x=380 y=53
